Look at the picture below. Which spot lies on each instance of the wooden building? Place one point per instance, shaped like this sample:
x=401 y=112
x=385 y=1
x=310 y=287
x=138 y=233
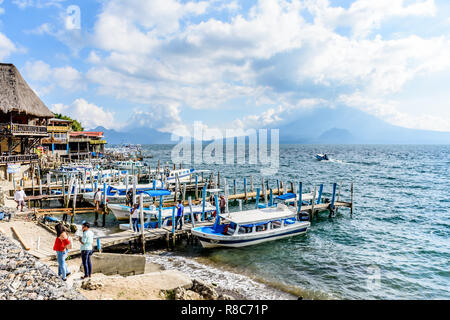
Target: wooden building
x=59 y=135
x=86 y=144
x=23 y=120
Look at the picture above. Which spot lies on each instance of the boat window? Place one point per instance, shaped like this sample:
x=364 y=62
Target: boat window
x=262 y=227
x=276 y=224
x=245 y=229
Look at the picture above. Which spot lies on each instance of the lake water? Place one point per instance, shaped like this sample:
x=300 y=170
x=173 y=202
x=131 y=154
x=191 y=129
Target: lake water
x=396 y=245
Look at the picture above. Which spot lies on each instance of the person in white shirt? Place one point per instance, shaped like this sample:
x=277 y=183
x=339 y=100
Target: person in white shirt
x=19 y=197
x=135 y=217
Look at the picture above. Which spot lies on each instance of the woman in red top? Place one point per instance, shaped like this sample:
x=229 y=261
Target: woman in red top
x=60 y=246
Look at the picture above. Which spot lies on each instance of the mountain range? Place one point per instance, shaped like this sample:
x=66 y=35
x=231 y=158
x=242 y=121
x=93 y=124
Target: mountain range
x=340 y=125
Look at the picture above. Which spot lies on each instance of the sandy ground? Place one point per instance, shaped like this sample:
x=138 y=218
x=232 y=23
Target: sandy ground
x=140 y=287
x=33 y=233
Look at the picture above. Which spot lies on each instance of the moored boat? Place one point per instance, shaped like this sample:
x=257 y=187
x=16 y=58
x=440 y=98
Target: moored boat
x=245 y=228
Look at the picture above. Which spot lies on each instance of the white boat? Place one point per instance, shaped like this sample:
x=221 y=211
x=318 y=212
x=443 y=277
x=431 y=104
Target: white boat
x=118 y=193
x=245 y=228
x=128 y=165
x=122 y=213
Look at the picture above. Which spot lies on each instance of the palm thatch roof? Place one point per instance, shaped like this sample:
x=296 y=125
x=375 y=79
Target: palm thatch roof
x=16 y=95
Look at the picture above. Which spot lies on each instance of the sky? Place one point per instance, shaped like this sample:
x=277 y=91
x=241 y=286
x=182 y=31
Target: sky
x=164 y=64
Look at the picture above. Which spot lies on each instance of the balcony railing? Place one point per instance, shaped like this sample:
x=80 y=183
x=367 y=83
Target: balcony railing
x=54 y=140
x=58 y=128
x=23 y=129
x=97 y=142
x=19 y=158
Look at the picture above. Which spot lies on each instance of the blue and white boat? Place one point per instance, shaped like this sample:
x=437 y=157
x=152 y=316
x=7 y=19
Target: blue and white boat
x=245 y=228
x=118 y=193
x=122 y=212
x=322 y=157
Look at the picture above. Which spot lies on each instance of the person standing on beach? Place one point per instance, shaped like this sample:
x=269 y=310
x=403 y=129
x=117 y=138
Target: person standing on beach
x=19 y=197
x=180 y=211
x=86 y=249
x=61 y=245
x=135 y=218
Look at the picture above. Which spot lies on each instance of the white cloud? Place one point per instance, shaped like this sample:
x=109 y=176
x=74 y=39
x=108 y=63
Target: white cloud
x=6 y=46
x=47 y=78
x=89 y=115
x=388 y=110
x=177 y=55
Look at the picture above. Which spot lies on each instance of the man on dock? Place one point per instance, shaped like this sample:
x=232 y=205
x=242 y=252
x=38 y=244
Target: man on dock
x=180 y=211
x=86 y=249
x=19 y=197
x=222 y=204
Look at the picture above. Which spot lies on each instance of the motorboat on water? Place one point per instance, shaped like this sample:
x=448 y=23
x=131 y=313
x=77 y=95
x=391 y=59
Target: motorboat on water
x=322 y=157
x=245 y=228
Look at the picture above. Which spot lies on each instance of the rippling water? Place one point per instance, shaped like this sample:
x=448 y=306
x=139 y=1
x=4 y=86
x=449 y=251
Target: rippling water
x=400 y=229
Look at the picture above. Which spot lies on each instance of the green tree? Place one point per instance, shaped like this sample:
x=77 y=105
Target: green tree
x=76 y=126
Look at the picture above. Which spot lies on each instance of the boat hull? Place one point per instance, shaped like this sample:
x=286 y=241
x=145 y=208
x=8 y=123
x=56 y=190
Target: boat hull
x=214 y=241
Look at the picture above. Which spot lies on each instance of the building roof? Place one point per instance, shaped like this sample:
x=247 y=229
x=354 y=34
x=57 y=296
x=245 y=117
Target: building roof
x=92 y=134
x=16 y=95
x=60 y=120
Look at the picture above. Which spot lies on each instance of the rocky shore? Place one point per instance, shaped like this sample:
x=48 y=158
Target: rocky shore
x=24 y=277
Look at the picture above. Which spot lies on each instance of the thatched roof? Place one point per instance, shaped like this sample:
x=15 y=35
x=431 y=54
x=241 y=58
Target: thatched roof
x=16 y=95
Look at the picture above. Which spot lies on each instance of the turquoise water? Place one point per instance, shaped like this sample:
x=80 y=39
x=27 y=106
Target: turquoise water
x=399 y=232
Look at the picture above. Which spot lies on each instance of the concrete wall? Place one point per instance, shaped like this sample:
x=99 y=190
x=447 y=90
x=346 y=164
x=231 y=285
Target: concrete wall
x=123 y=264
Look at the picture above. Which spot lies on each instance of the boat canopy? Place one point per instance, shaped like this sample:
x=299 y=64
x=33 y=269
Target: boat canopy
x=259 y=215
x=158 y=193
x=286 y=196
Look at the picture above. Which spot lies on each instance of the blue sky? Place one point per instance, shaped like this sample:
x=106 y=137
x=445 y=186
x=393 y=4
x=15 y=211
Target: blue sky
x=232 y=64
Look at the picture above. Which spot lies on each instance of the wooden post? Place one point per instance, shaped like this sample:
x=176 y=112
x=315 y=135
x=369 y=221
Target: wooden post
x=218 y=179
x=320 y=193
x=196 y=187
x=226 y=195
x=192 y=212
x=176 y=187
x=292 y=187
x=251 y=184
x=339 y=195
x=49 y=177
x=32 y=178
x=204 y=202
x=234 y=186
x=300 y=203
x=74 y=201
x=351 y=199
x=313 y=202
x=245 y=189
x=160 y=212
x=134 y=190
x=184 y=192
x=257 y=197
x=141 y=216
x=19 y=237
